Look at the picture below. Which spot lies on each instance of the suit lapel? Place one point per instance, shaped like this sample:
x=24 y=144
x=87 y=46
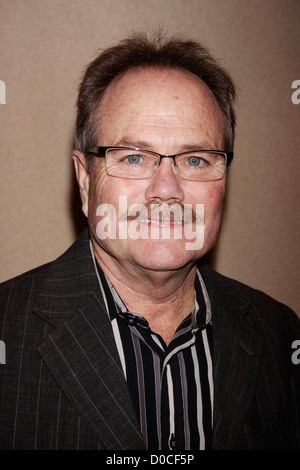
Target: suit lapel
x=80 y=356
x=237 y=349
x=81 y=352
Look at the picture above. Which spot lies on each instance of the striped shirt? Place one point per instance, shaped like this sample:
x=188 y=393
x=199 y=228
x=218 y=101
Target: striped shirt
x=171 y=386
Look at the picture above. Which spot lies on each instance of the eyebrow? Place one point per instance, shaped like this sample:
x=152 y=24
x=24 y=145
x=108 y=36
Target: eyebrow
x=142 y=144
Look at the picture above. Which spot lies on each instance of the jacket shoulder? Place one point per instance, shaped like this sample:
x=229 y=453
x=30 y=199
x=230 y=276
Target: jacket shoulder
x=263 y=306
x=25 y=283
x=28 y=283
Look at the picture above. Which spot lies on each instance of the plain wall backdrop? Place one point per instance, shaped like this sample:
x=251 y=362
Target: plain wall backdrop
x=44 y=47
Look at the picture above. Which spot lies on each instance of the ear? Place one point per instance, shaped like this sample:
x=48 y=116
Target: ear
x=83 y=178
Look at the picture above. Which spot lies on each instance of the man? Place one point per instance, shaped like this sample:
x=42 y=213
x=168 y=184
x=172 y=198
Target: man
x=128 y=341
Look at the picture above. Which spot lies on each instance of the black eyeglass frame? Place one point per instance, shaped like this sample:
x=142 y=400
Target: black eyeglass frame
x=101 y=152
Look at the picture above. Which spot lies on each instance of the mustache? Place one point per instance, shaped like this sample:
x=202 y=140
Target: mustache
x=175 y=213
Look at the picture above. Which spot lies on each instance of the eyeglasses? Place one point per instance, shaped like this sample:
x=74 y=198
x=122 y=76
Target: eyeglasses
x=137 y=164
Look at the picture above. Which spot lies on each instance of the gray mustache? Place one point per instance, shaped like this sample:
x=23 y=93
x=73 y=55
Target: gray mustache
x=165 y=213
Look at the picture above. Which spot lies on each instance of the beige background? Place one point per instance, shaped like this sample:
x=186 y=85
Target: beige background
x=44 y=46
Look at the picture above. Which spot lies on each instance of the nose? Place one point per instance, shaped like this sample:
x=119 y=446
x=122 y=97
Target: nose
x=165 y=185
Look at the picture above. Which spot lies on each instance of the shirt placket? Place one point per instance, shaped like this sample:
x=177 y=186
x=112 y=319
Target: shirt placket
x=188 y=338
x=183 y=339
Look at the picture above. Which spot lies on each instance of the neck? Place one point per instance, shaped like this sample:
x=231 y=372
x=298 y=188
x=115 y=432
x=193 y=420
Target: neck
x=163 y=298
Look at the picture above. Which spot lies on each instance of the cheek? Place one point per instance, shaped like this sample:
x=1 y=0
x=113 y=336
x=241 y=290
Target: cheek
x=105 y=189
x=211 y=194
x=97 y=183
x=215 y=194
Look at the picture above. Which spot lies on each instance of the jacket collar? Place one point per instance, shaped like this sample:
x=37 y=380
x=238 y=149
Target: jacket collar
x=69 y=279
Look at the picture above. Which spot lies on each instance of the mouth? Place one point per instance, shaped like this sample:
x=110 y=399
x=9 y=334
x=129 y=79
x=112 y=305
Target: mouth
x=159 y=223
x=162 y=215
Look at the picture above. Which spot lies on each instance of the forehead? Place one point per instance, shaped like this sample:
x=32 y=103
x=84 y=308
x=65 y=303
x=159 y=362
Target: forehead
x=162 y=99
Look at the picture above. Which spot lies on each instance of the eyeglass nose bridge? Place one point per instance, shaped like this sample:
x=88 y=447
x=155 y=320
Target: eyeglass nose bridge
x=174 y=164
x=158 y=162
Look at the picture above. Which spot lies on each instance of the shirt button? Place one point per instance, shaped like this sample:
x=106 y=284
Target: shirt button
x=132 y=320
x=173 y=442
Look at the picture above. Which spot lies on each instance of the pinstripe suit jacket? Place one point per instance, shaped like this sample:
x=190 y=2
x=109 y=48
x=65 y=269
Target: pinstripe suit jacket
x=62 y=386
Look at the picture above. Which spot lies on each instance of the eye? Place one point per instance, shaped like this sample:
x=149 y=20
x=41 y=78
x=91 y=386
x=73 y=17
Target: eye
x=134 y=159
x=195 y=161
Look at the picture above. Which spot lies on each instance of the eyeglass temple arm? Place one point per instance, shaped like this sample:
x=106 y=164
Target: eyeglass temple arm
x=97 y=150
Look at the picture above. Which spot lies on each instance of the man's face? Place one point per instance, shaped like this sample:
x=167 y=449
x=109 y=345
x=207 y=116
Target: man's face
x=168 y=112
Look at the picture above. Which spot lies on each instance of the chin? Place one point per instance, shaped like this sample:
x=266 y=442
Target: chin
x=165 y=256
